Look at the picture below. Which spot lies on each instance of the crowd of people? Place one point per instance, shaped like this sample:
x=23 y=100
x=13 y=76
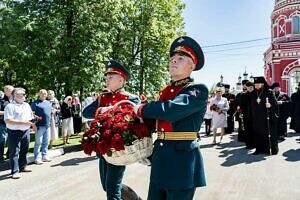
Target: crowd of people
x=44 y=116
x=261 y=111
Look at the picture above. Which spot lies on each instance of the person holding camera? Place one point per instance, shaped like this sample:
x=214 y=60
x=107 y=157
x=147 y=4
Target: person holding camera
x=4 y=101
x=67 y=114
x=18 y=118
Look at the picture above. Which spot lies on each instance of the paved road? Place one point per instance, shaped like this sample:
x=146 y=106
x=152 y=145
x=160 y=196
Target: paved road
x=232 y=174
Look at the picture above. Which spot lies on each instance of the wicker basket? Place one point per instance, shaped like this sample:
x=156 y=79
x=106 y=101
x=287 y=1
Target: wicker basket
x=139 y=150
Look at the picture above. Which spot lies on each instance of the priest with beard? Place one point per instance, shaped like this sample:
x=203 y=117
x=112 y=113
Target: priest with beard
x=263 y=105
x=283 y=102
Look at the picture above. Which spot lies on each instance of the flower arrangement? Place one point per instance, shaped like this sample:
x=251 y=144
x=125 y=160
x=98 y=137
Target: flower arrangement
x=115 y=130
x=214 y=107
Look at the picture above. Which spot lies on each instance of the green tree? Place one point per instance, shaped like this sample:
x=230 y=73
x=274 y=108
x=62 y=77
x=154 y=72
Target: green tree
x=64 y=44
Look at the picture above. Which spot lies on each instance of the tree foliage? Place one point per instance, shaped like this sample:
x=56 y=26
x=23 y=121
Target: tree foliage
x=64 y=44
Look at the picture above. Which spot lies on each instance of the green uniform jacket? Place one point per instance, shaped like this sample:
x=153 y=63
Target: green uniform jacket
x=179 y=164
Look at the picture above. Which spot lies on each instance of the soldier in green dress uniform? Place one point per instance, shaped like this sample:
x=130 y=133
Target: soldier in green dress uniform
x=177 y=166
x=111 y=175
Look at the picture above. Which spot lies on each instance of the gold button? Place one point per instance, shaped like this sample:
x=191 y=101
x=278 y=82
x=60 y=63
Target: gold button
x=114 y=96
x=162 y=129
x=172 y=90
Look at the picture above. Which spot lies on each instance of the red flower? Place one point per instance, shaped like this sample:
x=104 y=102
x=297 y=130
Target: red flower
x=140 y=130
x=114 y=129
x=214 y=107
x=118 y=142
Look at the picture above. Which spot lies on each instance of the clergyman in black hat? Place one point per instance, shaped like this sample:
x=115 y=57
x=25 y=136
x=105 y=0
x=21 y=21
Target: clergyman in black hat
x=282 y=100
x=264 y=114
x=231 y=100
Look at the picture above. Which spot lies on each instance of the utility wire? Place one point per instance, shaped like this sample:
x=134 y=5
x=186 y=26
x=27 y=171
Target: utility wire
x=233 y=43
x=236 y=48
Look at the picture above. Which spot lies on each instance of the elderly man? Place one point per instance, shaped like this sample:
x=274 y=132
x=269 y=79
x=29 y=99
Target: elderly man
x=177 y=166
x=18 y=116
x=42 y=108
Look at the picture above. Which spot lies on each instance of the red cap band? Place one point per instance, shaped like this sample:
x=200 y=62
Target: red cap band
x=116 y=70
x=188 y=51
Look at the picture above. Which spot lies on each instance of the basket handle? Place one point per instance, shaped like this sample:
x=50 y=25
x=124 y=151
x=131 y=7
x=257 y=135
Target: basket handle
x=130 y=102
x=125 y=101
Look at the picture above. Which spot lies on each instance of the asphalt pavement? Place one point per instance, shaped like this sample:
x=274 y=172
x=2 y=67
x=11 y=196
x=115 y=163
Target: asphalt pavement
x=232 y=173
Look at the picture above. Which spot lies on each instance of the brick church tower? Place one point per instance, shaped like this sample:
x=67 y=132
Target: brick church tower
x=282 y=59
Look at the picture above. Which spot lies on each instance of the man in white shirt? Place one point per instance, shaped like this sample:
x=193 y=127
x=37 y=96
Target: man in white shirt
x=18 y=118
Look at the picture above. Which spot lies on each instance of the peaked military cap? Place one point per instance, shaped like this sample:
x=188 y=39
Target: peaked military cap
x=274 y=85
x=226 y=86
x=244 y=82
x=299 y=84
x=115 y=67
x=188 y=47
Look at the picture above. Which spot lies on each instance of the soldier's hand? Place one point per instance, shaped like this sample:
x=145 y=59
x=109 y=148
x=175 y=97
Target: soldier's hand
x=268 y=105
x=279 y=102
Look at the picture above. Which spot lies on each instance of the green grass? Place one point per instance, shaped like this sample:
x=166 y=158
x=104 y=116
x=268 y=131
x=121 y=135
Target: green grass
x=73 y=140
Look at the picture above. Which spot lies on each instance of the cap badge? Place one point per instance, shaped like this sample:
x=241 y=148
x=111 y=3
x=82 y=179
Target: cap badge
x=180 y=40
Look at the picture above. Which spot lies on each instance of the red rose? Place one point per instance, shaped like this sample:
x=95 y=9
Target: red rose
x=106 y=134
x=118 y=142
x=103 y=147
x=141 y=130
x=87 y=148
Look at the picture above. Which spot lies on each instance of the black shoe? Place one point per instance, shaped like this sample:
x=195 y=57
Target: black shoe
x=256 y=152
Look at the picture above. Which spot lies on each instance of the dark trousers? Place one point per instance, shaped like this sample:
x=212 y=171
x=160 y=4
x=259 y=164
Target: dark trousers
x=18 y=144
x=3 y=139
x=230 y=125
x=111 y=179
x=156 y=193
x=207 y=126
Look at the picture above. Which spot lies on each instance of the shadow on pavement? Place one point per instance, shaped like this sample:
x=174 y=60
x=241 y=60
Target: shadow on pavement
x=74 y=161
x=292 y=155
x=234 y=157
x=5 y=176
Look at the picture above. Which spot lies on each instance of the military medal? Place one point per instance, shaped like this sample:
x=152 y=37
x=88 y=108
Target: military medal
x=258 y=100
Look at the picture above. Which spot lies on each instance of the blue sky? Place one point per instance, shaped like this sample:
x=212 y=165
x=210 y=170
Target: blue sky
x=213 y=22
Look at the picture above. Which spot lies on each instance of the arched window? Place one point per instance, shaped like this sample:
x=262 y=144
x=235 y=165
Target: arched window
x=296 y=25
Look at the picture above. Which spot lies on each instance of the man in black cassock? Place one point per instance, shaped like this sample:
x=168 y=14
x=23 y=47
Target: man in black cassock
x=263 y=104
x=230 y=98
x=283 y=104
x=295 y=110
x=240 y=106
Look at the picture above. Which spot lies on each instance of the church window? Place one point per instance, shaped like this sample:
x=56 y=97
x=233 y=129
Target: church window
x=296 y=24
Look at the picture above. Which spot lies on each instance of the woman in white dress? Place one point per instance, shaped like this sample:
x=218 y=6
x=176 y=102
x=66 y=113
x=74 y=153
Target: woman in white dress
x=219 y=105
